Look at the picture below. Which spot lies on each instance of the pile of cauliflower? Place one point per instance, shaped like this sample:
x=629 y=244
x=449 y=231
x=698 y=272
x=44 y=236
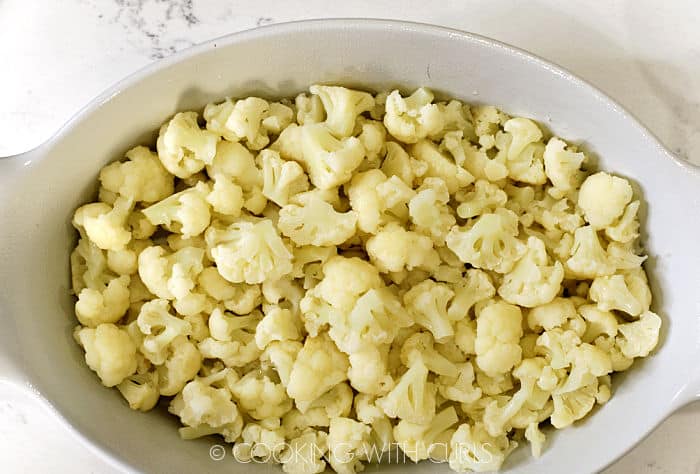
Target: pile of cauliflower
x=324 y=279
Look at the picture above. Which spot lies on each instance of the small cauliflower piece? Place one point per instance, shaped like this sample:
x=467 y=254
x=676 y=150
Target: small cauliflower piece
x=639 y=338
x=398 y=163
x=532 y=281
x=461 y=388
x=234 y=163
x=498 y=333
x=159 y=329
x=181 y=365
x=421 y=346
x=429 y=211
x=96 y=306
x=603 y=198
x=259 y=443
x=348 y=444
x=474 y=287
x=140 y=390
x=414 y=117
x=109 y=351
x=329 y=161
x=260 y=397
x=588 y=362
x=318 y=356
x=249 y=252
x=489 y=243
x=226 y=197
x=369 y=372
x=239 y=298
x=473 y=449
x=394 y=248
x=536 y=439
x=278 y=325
x=427 y=303
x=626 y=229
x=201 y=403
x=342 y=106
x=105 y=225
x=440 y=166
x=523 y=150
x=572 y=406
x=627 y=291
x=141 y=178
x=170 y=275
x=316 y=223
x=413 y=397
x=183 y=148
x=484 y=197
x=281 y=179
x=248 y=120
x=588 y=258
x=186 y=212
x=419 y=441
x=305 y=453
x=377 y=199
x=555 y=344
x=550 y=315
x=309 y=109
x=562 y=167
x=281 y=355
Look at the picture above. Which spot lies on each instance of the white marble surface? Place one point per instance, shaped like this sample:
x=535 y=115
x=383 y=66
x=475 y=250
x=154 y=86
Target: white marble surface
x=57 y=55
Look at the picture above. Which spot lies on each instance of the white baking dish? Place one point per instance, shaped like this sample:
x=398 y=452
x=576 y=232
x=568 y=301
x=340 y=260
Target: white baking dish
x=39 y=191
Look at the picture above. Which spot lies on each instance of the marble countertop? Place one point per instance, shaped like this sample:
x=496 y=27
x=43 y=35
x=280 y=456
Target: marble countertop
x=58 y=55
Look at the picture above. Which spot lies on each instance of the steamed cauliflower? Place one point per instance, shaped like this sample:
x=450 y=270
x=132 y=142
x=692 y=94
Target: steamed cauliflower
x=326 y=278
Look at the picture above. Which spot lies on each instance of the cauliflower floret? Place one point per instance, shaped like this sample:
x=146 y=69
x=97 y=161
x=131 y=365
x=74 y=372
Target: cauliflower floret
x=226 y=197
x=473 y=449
x=316 y=223
x=394 y=248
x=260 y=397
x=184 y=148
x=239 y=298
x=373 y=138
x=603 y=198
x=419 y=441
x=368 y=372
x=427 y=302
x=186 y=212
x=348 y=444
x=329 y=161
x=141 y=178
x=160 y=329
x=572 y=406
x=107 y=304
x=318 y=356
x=588 y=362
x=304 y=455
x=173 y=275
x=412 y=118
x=281 y=179
x=461 y=388
x=109 y=351
x=238 y=350
x=345 y=279
x=639 y=338
x=259 y=442
x=398 y=163
x=484 y=197
x=105 y=225
x=627 y=227
x=588 y=258
x=532 y=281
x=277 y=325
x=249 y=252
x=628 y=292
x=342 y=106
x=181 y=365
x=441 y=166
x=413 y=397
x=489 y=243
x=550 y=315
x=597 y=322
x=140 y=391
x=281 y=356
x=378 y=199
x=474 y=287
x=555 y=344
x=233 y=162
x=245 y=119
x=562 y=167
x=309 y=109
x=420 y=346
x=429 y=211
x=498 y=333
x=375 y=319
x=225 y=326
x=536 y=438
x=201 y=403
